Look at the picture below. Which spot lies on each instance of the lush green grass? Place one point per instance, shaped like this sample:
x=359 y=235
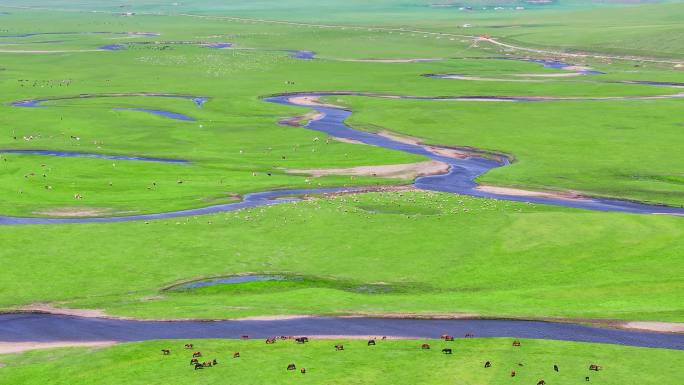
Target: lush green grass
x=234 y=120
x=494 y=258
x=606 y=148
x=436 y=253
x=389 y=362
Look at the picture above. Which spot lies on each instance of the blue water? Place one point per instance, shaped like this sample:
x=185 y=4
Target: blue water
x=92 y=155
x=460 y=179
x=230 y=281
x=218 y=45
x=302 y=55
x=113 y=47
x=29 y=327
x=198 y=101
x=166 y=114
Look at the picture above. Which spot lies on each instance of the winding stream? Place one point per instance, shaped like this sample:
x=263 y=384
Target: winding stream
x=33 y=327
x=460 y=179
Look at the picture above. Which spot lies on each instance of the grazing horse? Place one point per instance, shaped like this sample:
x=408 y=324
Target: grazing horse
x=339 y=347
x=198 y=366
x=488 y=364
x=446 y=351
x=371 y=342
x=291 y=367
x=516 y=343
x=236 y=355
x=595 y=367
x=302 y=371
x=196 y=354
x=425 y=346
x=555 y=367
x=513 y=373
x=166 y=352
x=270 y=341
x=541 y=382
x=189 y=346
x=194 y=361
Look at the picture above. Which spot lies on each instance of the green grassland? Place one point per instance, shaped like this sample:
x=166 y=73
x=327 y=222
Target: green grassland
x=390 y=362
x=432 y=259
x=360 y=254
x=236 y=134
x=605 y=148
x=402 y=252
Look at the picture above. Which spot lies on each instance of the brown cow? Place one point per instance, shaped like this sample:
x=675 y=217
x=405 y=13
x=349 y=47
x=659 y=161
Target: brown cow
x=196 y=354
x=425 y=346
x=189 y=346
x=166 y=352
x=236 y=355
x=270 y=341
x=207 y=364
x=516 y=343
x=194 y=361
x=448 y=338
x=595 y=367
x=339 y=347
x=513 y=373
x=302 y=370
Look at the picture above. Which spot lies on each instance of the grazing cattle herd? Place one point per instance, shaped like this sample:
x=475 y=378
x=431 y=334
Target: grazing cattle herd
x=196 y=364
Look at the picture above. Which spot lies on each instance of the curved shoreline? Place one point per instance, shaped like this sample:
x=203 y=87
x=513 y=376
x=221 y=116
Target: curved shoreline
x=674 y=328
x=94 y=155
x=460 y=178
x=32 y=327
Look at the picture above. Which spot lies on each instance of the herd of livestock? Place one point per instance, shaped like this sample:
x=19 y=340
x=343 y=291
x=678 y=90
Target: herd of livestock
x=197 y=355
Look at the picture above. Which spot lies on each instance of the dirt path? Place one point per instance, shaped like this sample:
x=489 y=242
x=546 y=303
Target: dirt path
x=579 y=55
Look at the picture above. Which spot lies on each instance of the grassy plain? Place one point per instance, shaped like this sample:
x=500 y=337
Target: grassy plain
x=495 y=258
x=484 y=257
x=390 y=362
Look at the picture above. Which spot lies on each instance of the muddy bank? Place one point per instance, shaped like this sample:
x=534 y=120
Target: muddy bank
x=401 y=171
